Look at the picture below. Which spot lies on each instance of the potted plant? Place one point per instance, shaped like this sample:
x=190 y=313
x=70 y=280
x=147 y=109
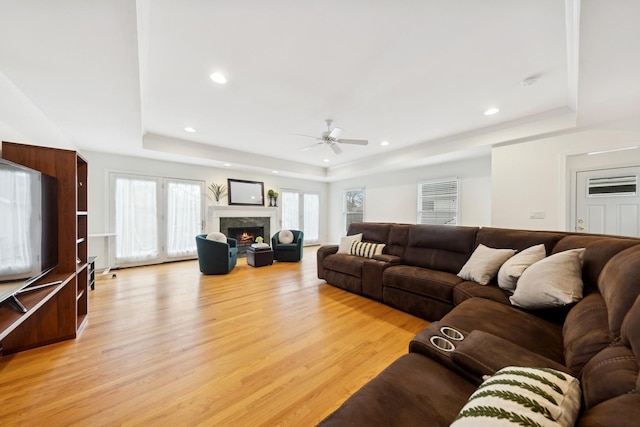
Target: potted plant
x=273 y=197
x=218 y=191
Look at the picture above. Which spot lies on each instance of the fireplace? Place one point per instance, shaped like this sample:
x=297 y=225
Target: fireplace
x=245 y=230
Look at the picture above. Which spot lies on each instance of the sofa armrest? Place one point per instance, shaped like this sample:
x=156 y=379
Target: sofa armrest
x=390 y=259
x=323 y=252
x=481 y=353
x=372 y=270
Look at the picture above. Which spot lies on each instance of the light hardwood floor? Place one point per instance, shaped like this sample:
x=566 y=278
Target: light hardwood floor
x=165 y=345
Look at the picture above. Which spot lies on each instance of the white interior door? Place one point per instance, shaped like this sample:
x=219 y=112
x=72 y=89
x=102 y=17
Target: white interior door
x=608 y=201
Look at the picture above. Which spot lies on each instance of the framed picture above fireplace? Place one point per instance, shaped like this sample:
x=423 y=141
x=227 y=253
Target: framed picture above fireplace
x=247 y=193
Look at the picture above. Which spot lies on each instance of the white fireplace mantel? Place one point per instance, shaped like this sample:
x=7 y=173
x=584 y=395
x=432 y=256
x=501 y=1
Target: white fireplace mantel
x=216 y=212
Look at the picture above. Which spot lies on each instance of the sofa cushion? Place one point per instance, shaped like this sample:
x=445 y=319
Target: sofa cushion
x=413 y=390
x=377 y=232
x=347 y=241
x=346 y=264
x=421 y=281
x=618 y=284
x=551 y=282
x=599 y=250
x=512 y=269
x=523 y=396
x=366 y=249
x=484 y=263
x=441 y=248
x=518 y=239
x=514 y=325
x=613 y=373
x=585 y=332
x=465 y=290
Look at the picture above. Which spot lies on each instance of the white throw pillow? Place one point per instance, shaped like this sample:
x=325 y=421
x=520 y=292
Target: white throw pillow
x=217 y=236
x=366 y=249
x=513 y=268
x=346 y=241
x=484 y=263
x=523 y=396
x=285 y=237
x=552 y=282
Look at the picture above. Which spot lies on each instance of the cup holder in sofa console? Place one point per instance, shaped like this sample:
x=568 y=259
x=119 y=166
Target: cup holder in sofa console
x=451 y=333
x=442 y=343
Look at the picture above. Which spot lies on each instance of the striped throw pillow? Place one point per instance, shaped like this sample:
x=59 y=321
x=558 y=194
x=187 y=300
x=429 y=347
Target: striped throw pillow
x=524 y=397
x=366 y=249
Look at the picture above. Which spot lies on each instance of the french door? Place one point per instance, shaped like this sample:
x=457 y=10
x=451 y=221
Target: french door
x=154 y=219
x=301 y=211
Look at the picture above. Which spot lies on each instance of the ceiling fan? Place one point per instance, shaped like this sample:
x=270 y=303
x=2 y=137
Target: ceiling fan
x=331 y=138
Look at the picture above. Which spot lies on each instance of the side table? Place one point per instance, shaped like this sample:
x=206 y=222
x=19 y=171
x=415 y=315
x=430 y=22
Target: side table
x=258 y=257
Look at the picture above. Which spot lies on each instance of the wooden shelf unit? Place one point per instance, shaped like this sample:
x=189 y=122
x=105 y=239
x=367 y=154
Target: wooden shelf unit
x=58 y=312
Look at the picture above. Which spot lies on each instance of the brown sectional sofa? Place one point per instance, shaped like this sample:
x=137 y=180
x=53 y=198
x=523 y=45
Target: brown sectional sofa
x=597 y=340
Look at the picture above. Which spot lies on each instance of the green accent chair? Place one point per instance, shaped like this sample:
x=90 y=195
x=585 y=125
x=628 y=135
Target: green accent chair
x=216 y=257
x=288 y=252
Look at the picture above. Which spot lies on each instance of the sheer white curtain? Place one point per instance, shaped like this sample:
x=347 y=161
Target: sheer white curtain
x=136 y=219
x=290 y=210
x=311 y=218
x=301 y=211
x=184 y=217
x=18 y=223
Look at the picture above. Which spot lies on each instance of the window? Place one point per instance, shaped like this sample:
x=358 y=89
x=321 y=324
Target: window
x=438 y=202
x=155 y=219
x=301 y=211
x=612 y=186
x=353 y=206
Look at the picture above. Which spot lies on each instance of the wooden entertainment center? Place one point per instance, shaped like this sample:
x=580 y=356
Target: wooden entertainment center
x=58 y=312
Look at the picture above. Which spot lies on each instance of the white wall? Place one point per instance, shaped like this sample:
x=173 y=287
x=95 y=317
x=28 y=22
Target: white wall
x=535 y=175
x=392 y=196
x=101 y=164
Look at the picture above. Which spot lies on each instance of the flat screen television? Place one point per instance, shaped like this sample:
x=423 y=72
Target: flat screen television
x=28 y=227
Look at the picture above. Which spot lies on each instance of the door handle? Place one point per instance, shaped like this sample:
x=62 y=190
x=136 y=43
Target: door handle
x=581 y=229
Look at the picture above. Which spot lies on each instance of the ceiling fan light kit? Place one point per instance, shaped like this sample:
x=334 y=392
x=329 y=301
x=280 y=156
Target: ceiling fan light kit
x=331 y=137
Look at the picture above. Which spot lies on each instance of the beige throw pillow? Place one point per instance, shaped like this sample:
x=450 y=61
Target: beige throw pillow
x=513 y=268
x=484 y=263
x=346 y=241
x=552 y=282
x=285 y=237
x=217 y=237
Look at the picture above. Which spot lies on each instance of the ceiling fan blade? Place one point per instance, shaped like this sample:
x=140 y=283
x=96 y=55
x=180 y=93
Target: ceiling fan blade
x=309 y=147
x=306 y=136
x=354 y=141
x=335 y=133
x=335 y=148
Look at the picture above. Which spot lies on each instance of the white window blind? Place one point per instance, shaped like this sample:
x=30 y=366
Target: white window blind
x=438 y=202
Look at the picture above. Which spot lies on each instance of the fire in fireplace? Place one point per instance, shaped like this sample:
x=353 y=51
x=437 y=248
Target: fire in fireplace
x=246 y=235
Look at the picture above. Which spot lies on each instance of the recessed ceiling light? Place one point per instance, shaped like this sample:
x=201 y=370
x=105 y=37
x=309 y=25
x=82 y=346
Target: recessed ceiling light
x=218 y=78
x=189 y=129
x=326 y=160
x=384 y=143
x=227 y=164
x=274 y=171
x=491 y=111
